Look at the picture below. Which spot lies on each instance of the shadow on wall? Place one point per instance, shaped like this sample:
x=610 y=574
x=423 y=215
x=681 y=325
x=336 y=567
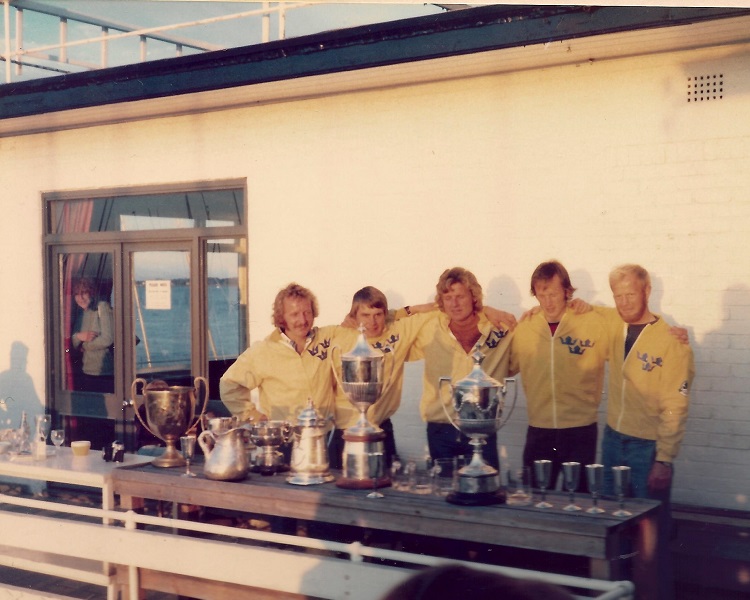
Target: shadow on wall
x=17 y=392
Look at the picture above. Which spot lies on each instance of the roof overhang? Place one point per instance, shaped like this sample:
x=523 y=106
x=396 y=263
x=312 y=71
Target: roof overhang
x=466 y=43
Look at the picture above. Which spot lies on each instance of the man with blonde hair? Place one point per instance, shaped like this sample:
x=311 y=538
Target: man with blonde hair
x=649 y=389
x=447 y=345
x=287 y=368
x=394 y=338
x=561 y=356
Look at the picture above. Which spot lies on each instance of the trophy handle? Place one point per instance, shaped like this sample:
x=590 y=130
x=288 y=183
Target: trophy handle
x=441 y=382
x=196 y=387
x=506 y=381
x=339 y=383
x=134 y=396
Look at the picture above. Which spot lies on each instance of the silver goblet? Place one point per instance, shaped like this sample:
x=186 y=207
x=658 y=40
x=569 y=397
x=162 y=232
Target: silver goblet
x=542 y=471
x=187 y=448
x=571 y=474
x=595 y=479
x=622 y=483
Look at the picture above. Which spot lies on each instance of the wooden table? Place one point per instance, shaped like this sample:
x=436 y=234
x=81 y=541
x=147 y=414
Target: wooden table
x=597 y=537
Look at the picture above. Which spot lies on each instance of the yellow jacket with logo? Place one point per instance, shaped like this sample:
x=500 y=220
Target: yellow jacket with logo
x=445 y=357
x=649 y=389
x=562 y=374
x=284 y=379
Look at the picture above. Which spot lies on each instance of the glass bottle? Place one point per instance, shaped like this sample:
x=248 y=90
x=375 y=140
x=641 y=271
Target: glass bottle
x=24 y=435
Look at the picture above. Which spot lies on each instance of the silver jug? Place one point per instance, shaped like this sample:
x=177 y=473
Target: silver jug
x=226 y=455
x=309 y=463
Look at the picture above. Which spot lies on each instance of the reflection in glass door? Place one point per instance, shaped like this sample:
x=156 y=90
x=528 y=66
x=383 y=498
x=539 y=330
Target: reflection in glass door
x=161 y=312
x=226 y=301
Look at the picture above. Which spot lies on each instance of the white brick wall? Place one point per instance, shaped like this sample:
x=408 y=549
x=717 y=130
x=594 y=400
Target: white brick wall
x=594 y=164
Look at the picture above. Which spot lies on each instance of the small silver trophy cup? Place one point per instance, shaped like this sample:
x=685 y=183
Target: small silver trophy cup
x=268 y=436
x=478 y=401
x=362 y=380
x=170 y=414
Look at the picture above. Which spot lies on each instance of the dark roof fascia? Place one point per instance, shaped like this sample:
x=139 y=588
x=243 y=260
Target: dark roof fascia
x=447 y=34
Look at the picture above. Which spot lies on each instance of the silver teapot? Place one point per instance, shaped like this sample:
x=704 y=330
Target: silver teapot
x=309 y=464
x=225 y=451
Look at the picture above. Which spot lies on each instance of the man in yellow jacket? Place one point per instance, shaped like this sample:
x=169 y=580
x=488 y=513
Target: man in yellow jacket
x=446 y=343
x=394 y=338
x=561 y=356
x=288 y=367
x=649 y=389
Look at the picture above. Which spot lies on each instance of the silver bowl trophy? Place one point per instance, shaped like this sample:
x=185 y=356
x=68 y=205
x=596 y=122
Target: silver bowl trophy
x=478 y=401
x=309 y=464
x=268 y=436
x=362 y=381
x=170 y=414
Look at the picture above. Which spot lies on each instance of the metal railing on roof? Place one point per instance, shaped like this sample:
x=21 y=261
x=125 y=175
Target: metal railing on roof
x=41 y=57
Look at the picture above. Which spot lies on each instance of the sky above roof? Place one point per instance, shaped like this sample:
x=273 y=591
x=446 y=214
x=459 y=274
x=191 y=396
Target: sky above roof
x=41 y=30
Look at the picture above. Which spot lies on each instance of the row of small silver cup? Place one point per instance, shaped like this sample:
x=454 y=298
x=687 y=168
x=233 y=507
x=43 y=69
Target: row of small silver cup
x=520 y=485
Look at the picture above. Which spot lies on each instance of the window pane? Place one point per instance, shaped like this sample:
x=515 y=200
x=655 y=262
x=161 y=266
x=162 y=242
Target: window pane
x=161 y=313
x=185 y=210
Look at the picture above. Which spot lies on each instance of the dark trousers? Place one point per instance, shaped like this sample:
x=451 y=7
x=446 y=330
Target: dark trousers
x=572 y=444
x=445 y=441
x=337 y=442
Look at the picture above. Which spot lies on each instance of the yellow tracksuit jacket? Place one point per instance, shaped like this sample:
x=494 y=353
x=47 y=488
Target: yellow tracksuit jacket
x=562 y=375
x=649 y=389
x=444 y=357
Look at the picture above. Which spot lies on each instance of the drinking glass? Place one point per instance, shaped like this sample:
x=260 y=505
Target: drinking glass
x=375 y=465
x=187 y=447
x=57 y=437
x=42 y=427
x=595 y=479
x=542 y=471
x=622 y=483
x=571 y=473
x=445 y=472
x=520 y=482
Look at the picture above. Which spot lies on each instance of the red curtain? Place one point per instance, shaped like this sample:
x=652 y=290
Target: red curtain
x=76 y=219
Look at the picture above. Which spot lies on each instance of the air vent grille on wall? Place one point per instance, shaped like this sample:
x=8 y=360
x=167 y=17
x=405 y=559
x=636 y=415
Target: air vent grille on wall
x=703 y=88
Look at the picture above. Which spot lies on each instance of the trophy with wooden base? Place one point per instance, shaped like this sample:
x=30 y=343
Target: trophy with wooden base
x=362 y=381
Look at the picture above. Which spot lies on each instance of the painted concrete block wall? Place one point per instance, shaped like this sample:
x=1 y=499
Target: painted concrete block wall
x=594 y=164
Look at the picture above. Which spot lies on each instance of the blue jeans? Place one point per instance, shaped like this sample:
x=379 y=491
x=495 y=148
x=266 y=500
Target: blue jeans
x=636 y=453
x=639 y=455
x=445 y=441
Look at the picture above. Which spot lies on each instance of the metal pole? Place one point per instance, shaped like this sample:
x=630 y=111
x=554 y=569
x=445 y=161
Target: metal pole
x=282 y=21
x=6 y=14
x=105 y=48
x=63 y=40
x=266 y=23
x=19 y=40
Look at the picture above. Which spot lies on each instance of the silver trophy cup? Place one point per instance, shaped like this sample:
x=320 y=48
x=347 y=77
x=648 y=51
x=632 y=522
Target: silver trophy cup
x=478 y=402
x=170 y=414
x=362 y=379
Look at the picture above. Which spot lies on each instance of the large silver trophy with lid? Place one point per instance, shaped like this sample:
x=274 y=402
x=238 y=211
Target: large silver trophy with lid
x=362 y=380
x=478 y=401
